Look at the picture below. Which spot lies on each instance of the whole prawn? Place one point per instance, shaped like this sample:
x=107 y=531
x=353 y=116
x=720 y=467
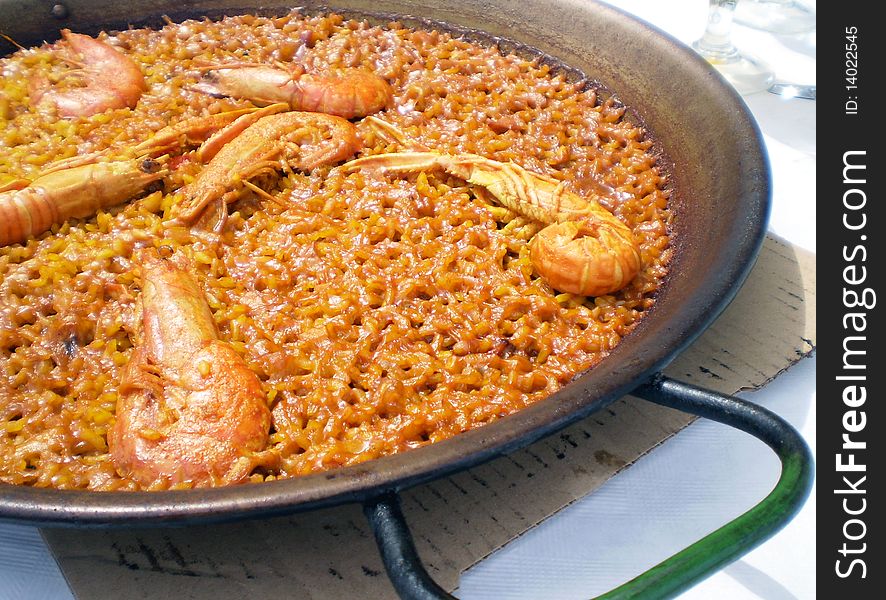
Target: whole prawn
x=79 y=187
x=69 y=192
x=274 y=142
x=112 y=80
x=347 y=93
x=584 y=249
x=190 y=411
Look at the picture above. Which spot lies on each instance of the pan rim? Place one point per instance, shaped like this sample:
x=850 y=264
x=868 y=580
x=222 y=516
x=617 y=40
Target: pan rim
x=633 y=361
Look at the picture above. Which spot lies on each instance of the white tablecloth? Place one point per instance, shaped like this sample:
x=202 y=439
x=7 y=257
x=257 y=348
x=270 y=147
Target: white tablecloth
x=699 y=480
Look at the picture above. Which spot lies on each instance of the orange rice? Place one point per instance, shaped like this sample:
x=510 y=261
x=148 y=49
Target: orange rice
x=381 y=313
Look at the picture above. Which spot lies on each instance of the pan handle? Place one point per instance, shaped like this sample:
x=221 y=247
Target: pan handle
x=690 y=565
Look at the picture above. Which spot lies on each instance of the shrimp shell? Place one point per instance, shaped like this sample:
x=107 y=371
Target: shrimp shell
x=112 y=80
x=71 y=193
x=584 y=250
x=268 y=145
x=190 y=409
x=348 y=93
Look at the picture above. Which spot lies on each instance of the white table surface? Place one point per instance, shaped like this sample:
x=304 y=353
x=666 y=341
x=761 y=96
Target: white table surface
x=692 y=484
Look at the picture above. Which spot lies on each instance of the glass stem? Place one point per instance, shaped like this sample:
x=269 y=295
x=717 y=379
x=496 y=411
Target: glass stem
x=746 y=74
x=717 y=39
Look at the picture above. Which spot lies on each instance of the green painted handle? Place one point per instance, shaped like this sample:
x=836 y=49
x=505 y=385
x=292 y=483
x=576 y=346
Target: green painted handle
x=749 y=530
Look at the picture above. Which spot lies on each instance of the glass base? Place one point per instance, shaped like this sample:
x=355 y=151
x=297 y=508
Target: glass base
x=746 y=74
x=777 y=16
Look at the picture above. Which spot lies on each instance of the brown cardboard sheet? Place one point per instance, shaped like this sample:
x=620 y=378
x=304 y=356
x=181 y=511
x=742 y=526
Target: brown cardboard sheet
x=456 y=521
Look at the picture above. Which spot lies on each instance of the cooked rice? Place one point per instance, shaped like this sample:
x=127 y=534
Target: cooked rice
x=381 y=313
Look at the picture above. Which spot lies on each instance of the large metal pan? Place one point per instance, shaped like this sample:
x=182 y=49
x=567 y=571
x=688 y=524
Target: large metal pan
x=721 y=200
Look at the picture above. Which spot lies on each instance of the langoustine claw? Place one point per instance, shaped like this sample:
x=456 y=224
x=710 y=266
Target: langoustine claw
x=112 y=80
x=584 y=249
x=71 y=193
x=190 y=410
x=348 y=93
x=298 y=140
x=211 y=132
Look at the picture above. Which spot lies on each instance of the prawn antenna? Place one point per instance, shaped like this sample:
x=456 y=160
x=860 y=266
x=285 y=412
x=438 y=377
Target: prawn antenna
x=11 y=41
